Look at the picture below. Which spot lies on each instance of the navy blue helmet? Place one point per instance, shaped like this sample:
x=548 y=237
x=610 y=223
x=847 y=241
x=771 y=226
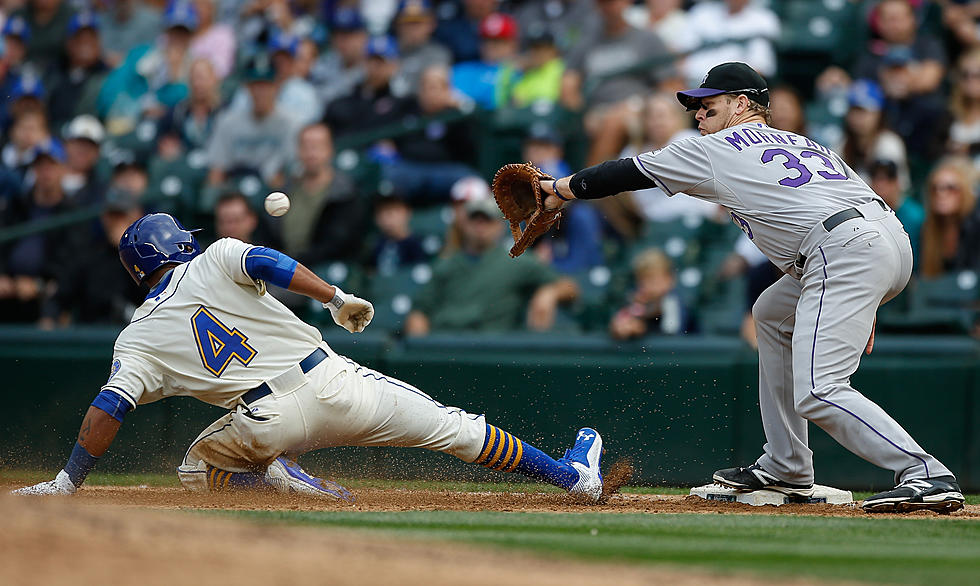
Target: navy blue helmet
x=153 y=241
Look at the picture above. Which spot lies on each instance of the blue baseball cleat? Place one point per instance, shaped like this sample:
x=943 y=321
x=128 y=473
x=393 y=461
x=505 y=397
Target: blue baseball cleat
x=585 y=457
x=285 y=475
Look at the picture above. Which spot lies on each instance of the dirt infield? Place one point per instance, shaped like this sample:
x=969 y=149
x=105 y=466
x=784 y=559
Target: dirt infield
x=87 y=541
x=388 y=499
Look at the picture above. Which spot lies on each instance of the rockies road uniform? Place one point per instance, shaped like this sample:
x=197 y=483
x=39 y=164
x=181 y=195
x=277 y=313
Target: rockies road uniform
x=844 y=253
x=207 y=332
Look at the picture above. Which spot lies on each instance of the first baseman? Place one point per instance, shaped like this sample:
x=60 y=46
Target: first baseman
x=844 y=253
x=207 y=330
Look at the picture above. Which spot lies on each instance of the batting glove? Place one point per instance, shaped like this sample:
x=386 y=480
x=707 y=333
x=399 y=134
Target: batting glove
x=60 y=485
x=349 y=311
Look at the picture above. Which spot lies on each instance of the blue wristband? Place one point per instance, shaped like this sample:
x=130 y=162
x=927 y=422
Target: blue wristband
x=79 y=465
x=554 y=187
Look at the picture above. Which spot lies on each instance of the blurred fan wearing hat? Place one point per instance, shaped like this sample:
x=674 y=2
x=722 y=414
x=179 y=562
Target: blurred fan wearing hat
x=487 y=81
x=867 y=137
x=126 y=24
x=376 y=101
x=886 y=180
x=414 y=25
x=396 y=246
x=83 y=138
x=543 y=69
x=16 y=34
x=75 y=86
x=340 y=69
x=260 y=140
x=295 y=95
x=153 y=77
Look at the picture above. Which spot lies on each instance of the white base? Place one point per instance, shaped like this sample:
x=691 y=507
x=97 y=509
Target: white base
x=821 y=494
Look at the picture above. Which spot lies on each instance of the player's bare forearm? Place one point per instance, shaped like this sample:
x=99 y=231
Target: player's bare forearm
x=305 y=282
x=97 y=432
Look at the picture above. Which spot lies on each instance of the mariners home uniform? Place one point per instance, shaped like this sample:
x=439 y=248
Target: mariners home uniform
x=844 y=253
x=207 y=332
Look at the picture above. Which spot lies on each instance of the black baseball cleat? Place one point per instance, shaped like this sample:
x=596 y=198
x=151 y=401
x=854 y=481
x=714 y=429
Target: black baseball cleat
x=755 y=478
x=941 y=494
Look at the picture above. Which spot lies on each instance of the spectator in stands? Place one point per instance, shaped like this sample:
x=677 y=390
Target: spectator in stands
x=29 y=266
x=732 y=30
x=431 y=159
x=886 y=181
x=125 y=25
x=28 y=131
x=48 y=20
x=306 y=57
x=668 y=19
x=488 y=81
x=338 y=72
x=746 y=259
x=16 y=36
x=297 y=97
x=327 y=217
x=75 y=86
x=414 y=25
x=83 y=139
x=396 y=246
x=459 y=26
x=609 y=68
x=919 y=118
x=464 y=190
x=964 y=132
x=153 y=77
x=374 y=102
x=663 y=122
x=786 y=108
x=258 y=141
x=951 y=231
x=654 y=306
x=575 y=244
x=130 y=179
x=26 y=93
x=91 y=289
x=568 y=21
x=894 y=21
x=192 y=120
x=482 y=288
x=866 y=136
x=960 y=18
x=541 y=73
x=213 y=41
x=235 y=218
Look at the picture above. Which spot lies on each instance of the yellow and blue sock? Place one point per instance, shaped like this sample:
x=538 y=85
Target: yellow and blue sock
x=219 y=480
x=506 y=453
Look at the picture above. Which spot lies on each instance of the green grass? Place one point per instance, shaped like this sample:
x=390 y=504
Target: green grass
x=901 y=551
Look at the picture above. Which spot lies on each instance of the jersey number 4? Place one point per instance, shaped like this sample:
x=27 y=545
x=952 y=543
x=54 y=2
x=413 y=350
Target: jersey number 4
x=219 y=344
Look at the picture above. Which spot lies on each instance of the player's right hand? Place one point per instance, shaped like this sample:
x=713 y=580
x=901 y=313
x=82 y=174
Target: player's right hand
x=349 y=311
x=60 y=485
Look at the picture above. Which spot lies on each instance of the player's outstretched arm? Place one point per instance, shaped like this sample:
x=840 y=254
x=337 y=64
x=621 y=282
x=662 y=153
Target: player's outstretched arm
x=598 y=181
x=348 y=311
x=98 y=430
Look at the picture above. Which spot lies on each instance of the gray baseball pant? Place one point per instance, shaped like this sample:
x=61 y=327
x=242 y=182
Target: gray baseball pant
x=811 y=335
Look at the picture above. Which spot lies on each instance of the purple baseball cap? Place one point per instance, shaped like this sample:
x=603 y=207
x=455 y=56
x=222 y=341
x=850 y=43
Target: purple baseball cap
x=734 y=77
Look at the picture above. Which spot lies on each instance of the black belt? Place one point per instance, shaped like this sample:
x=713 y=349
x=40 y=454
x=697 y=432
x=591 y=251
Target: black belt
x=834 y=221
x=306 y=365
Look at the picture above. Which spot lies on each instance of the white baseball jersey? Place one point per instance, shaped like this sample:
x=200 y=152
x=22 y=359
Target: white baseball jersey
x=755 y=171
x=207 y=333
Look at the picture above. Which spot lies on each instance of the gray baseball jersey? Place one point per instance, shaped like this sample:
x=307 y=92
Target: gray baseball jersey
x=814 y=323
x=756 y=172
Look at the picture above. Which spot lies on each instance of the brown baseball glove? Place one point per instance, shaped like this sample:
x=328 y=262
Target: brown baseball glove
x=517 y=189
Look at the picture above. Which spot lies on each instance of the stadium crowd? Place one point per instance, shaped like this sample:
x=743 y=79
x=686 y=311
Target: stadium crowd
x=383 y=120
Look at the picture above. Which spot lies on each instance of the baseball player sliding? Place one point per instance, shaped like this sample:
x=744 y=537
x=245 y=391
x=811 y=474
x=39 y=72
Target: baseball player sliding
x=207 y=330
x=844 y=253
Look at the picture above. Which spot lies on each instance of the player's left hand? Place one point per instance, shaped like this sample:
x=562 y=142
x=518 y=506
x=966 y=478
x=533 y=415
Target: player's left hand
x=349 y=311
x=552 y=202
x=60 y=485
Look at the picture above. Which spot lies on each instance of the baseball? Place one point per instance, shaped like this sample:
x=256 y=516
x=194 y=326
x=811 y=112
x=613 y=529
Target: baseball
x=276 y=203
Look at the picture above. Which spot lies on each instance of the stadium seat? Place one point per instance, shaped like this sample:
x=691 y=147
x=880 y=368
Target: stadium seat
x=392 y=294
